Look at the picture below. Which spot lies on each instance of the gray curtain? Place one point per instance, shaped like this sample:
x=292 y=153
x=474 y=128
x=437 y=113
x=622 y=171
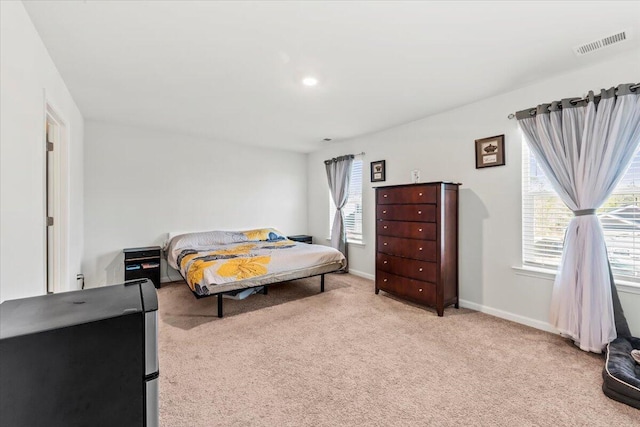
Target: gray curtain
x=339 y=177
x=584 y=147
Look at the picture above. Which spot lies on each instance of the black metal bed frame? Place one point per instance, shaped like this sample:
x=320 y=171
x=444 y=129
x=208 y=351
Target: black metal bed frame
x=264 y=292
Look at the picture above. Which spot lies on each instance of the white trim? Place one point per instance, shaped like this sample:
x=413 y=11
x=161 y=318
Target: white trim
x=62 y=282
x=45 y=260
x=623 y=286
x=362 y=274
x=538 y=273
x=538 y=324
x=628 y=287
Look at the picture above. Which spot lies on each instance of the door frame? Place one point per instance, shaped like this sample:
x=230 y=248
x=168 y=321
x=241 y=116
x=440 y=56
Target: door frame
x=60 y=165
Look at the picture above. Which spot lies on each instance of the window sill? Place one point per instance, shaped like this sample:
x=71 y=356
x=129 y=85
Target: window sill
x=546 y=274
x=350 y=243
x=538 y=273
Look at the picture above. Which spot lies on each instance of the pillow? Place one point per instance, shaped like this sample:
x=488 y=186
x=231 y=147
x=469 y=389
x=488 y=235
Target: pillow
x=636 y=356
x=263 y=235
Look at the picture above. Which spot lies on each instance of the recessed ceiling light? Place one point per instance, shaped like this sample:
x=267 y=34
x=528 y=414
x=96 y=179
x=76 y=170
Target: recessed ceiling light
x=309 y=81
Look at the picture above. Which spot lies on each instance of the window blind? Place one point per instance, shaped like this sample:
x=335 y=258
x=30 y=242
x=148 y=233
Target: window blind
x=352 y=210
x=545 y=218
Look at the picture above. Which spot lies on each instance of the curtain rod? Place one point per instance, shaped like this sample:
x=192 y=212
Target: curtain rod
x=632 y=88
x=345 y=155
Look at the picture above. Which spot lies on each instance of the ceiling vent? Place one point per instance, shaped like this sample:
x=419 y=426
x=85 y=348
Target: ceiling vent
x=601 y=43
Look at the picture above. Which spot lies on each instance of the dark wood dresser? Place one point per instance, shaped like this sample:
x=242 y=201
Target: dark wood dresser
x=417 y=243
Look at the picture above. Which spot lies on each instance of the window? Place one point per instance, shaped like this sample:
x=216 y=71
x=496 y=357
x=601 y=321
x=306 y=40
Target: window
x=545 y=218
x=352 y=210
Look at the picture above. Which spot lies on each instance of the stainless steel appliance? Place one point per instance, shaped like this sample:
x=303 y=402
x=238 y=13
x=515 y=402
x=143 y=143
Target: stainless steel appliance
x=83 y=358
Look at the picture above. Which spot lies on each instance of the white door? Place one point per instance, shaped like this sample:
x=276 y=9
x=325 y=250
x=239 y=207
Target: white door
x=50 y=203
x=56 y=212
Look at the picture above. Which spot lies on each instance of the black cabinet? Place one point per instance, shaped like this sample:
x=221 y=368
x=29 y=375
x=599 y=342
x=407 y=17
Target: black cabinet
x=81 y=358
x=142 y=263
x=301 y=238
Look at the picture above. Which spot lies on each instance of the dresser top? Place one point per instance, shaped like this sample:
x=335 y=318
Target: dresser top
x=419 y=183
x=146 y=248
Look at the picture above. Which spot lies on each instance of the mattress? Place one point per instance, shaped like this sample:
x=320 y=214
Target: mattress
x=222 y=261
x=621 y=373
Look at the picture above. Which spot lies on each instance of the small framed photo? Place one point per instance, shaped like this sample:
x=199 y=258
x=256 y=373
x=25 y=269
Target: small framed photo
x=377 y=171
x=490 y=152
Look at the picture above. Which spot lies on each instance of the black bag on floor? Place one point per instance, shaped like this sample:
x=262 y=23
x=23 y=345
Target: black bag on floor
x=621 y=373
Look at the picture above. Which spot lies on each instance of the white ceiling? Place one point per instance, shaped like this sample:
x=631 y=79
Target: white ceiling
x=231 y=71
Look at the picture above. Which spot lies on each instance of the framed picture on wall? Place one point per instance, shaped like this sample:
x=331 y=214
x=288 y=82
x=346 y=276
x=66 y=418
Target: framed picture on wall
x=490 y=152
x=377 y=171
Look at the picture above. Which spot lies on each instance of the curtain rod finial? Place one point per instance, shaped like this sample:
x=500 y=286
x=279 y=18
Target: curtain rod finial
x=511 y=116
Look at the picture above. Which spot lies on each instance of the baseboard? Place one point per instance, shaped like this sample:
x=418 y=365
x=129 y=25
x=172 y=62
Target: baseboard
x=362 y=274
x=538 y=324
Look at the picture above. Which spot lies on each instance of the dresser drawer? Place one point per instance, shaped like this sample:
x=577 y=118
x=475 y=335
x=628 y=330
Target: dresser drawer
x=411 y=194
x=426 y=213
x=412 y=289
x=419 y=270
x=410 y=230
x=423 y=250
x=131 y=254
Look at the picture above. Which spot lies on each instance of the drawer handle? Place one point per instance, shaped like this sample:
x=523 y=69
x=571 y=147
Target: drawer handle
x=420 y=194
x=385 y=227
x=420 y=289
x=384 y=212
x=384 y=280
x=419 y=229
x=385 y=243
x=420 y=269
x=419 y=212
x=385 y=261
x=384 y=195
x=418 y=248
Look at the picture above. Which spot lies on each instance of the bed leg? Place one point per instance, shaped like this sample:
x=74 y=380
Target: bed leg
x=264 y=290
x=220 y=305
x=322 y=283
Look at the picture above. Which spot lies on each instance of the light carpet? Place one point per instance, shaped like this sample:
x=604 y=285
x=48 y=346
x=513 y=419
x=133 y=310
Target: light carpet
x=348 y=357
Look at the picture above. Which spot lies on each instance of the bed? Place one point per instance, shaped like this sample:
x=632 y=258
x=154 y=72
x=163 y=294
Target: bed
x=225 y=262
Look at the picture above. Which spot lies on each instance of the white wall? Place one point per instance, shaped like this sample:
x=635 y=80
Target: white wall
x=141 y=184
x=27 y=75
x=442 y=147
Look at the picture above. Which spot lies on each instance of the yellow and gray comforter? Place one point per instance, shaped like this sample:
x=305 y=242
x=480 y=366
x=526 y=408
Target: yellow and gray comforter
x=223 y=261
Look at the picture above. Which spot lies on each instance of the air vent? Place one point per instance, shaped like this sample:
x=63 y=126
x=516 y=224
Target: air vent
x=601 y=43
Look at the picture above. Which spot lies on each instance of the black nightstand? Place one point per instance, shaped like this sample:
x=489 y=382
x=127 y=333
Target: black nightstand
x=142 y=263
x=301 y=238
